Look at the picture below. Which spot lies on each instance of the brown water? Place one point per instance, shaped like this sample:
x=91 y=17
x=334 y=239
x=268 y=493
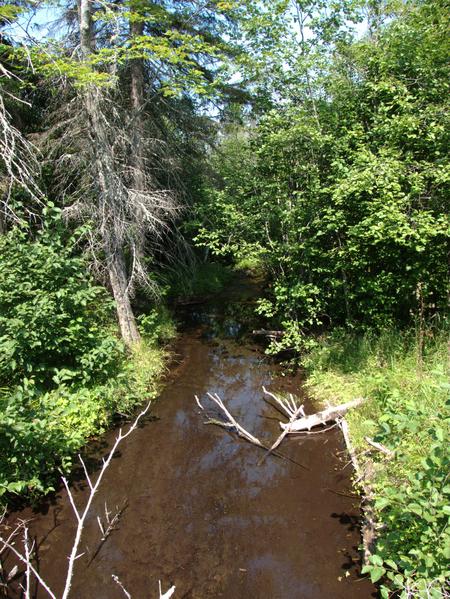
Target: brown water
x=201 y=513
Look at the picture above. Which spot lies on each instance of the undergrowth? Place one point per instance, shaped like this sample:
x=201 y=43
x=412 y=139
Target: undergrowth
x=64 y=373
x=407 y=409
x=199 y=279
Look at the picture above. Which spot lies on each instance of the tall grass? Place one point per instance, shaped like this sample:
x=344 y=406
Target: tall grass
x=406 y=385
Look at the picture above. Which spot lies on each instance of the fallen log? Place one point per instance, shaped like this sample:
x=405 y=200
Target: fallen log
x=320 y=418
x=368 y=528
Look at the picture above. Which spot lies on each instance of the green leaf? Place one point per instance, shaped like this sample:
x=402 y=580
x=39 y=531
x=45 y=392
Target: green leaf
x=376 y=573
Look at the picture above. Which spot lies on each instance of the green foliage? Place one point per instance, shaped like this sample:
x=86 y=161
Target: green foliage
x=157 y=326
x=408 y=411
x=188 y=46
x=40 y=431
x=344 y=195
x=52 y=318
x=63 y=371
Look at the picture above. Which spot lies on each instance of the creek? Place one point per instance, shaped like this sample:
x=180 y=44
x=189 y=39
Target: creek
x=200 y=511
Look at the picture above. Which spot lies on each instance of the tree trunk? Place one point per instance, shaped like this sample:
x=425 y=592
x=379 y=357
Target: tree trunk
x=125 y=315
x=85 y=19
x=137 y=103
x=112 y=242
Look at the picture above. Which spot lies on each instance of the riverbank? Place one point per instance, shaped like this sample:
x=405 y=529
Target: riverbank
x=407 y=413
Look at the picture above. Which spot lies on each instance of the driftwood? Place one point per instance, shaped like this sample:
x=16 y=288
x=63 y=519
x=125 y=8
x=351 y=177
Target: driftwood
x=368 y=532
x=287 y=406
x=333 y=413
x=269 y=334
x=231 y=424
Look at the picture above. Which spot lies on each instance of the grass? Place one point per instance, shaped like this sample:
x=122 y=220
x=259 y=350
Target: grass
x=407 y=409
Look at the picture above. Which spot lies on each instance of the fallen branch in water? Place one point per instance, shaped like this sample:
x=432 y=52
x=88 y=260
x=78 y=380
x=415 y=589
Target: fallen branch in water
x=320 y=418
x=231 y=422
x=162 y=595
x=292 y=410
x=289 y=407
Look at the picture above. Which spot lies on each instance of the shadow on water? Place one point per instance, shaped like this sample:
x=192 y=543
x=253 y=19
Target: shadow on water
x=202 y=512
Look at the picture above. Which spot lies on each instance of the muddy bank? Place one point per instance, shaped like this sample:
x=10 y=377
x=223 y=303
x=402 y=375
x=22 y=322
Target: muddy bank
x=200 y=512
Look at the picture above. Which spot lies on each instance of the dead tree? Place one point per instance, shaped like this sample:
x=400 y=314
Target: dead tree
x=123 y=204
x=18 y=157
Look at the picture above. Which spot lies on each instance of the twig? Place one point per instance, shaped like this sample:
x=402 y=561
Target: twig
x=292 y=410
x=167 y=594
x=380 y=447
x=82 y=516
x=117 y=581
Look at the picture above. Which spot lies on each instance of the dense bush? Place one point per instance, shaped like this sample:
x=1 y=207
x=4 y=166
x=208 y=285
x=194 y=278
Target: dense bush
x=52 y=317
x=63 y=371
x=347 y=205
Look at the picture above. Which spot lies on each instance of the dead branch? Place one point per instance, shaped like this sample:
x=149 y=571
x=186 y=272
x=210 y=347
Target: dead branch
x=322 y=417
x=232 y=422
x=379 y=447
x=162 y=595
x=119 y=583
x=110 y=523
x=167 y=594
x=293 y=411
x=81 y=516
x=18 y=156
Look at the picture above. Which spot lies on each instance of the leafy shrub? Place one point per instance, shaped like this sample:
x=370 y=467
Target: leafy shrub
x=52 y=317
x=157 y=326
x=63 y=371
x=346 y=204
x=407 y=410
x=40 y=432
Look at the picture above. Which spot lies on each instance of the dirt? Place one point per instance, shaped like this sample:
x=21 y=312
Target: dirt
x=200 y=512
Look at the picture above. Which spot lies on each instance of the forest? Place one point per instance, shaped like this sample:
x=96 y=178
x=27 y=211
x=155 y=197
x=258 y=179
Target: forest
x=152 y=151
